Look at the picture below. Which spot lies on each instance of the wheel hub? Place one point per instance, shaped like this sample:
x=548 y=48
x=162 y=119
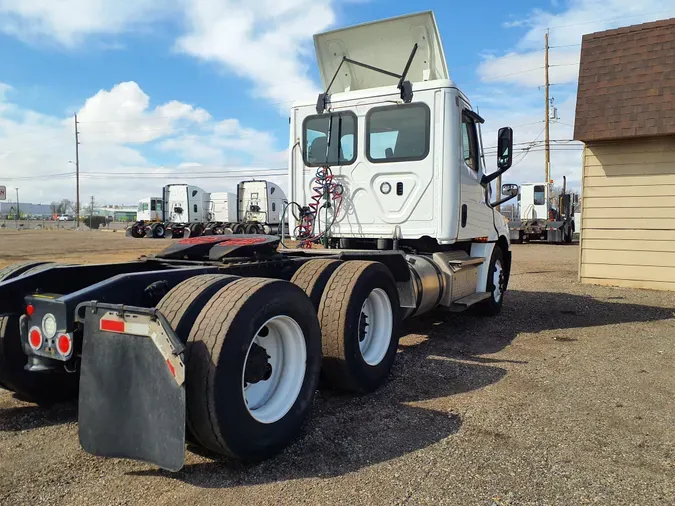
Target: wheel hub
x=258 y=367
x=375 y=327
x=274 y=369
x=363 y=326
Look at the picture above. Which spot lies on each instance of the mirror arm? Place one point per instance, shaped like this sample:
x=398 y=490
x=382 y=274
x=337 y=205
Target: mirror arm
x=487 y=179
x=502 y=201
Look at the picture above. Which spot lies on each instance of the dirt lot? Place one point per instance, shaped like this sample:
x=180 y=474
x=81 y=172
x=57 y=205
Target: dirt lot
x=567 y=397
x=71 y=246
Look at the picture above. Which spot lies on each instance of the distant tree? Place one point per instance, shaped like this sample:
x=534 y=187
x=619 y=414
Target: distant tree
x=64 y=206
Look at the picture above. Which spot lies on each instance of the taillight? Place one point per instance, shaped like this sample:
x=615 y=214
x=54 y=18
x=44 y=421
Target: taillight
x=30 y=309
x=64 y=344
x=49 y=325
x=35 y=338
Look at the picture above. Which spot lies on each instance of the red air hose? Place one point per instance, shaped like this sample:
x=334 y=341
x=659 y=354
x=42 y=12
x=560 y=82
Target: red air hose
x=324 y=183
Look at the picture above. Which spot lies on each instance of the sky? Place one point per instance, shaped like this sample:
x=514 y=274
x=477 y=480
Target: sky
x=199 y=91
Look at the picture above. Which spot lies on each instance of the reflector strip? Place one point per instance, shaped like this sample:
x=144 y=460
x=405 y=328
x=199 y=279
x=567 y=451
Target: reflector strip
x=172 y=369
x=112 y=325
x=138 y=329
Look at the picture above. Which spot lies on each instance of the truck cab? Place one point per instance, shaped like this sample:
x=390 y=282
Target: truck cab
x=260 y=202
x=150 y=209
x=534 y=199
x=408 y=168
x=186 y=203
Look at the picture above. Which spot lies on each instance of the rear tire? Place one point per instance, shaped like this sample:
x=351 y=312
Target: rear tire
x=252 y=228
x=182 y=305
x=239 y=228
x=158 y=231
x=360 y=317
x=196 y=230
x=247 y=311
x=313 y=276
x=137 y=232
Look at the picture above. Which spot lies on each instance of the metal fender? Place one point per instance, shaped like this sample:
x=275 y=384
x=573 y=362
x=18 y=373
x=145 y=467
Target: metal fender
x=484 y=250
x=502 y=227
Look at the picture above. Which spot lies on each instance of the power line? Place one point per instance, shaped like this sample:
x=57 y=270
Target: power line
x=511 y=74
x=566 y=45
x=611 y=19
x=63 y=175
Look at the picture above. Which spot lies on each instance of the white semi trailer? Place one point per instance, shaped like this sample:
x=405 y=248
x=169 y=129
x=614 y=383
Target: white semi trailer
x=222 y=339
x=188 y=211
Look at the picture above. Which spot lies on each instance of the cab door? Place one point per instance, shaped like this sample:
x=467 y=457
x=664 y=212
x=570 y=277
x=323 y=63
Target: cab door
x=475 y=216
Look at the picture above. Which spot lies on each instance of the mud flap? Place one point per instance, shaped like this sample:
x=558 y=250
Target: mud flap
x=132 y=395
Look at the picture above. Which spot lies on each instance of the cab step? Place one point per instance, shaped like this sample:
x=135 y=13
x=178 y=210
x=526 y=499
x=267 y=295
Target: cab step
x=468 y=301
x=466 y=262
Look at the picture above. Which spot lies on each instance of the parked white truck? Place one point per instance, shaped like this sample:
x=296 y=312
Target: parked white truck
x=188 y=211
x=540 y=219
x=222 y=339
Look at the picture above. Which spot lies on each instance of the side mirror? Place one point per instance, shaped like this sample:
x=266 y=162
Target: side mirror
x=504 y=155
x=510 y=190
x=504 y=148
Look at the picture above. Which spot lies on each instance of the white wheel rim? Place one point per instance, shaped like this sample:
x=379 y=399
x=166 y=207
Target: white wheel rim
x=375 y=326
x=496 y=281
x=270 y=399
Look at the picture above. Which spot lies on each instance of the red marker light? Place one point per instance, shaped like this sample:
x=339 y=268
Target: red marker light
x=64 y=344
x=35 y=338
x=30 y=309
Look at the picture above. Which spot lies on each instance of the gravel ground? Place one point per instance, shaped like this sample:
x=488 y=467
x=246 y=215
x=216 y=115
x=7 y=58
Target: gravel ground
x=566 y=398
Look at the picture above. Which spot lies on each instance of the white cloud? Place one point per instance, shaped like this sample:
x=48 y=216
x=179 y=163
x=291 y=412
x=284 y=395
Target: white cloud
x=123 y=115
x=262 y=40
x=524 y=64
x=267 y=42
x=35 y=149
x=69 y=21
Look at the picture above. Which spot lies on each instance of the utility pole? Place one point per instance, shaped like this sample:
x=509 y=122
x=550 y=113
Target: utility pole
x=77 y=174
x=547 y=142
x=91 y=211
x=18 y=212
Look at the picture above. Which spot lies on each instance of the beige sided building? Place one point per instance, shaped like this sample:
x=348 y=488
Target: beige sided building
x=626 y=117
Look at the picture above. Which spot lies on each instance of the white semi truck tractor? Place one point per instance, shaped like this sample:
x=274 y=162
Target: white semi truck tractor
x=188 y=211
x=221 y=339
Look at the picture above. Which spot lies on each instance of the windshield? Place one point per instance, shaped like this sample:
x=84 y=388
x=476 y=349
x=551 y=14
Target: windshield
x=316 y=132
x=142 y=206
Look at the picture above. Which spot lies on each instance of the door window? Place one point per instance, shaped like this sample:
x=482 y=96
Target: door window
x=398 y=133
x=539 y=195
x=323 y=134
x=469 y=142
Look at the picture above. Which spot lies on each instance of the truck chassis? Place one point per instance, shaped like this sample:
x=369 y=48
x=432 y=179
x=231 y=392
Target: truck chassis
x=209 y=341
